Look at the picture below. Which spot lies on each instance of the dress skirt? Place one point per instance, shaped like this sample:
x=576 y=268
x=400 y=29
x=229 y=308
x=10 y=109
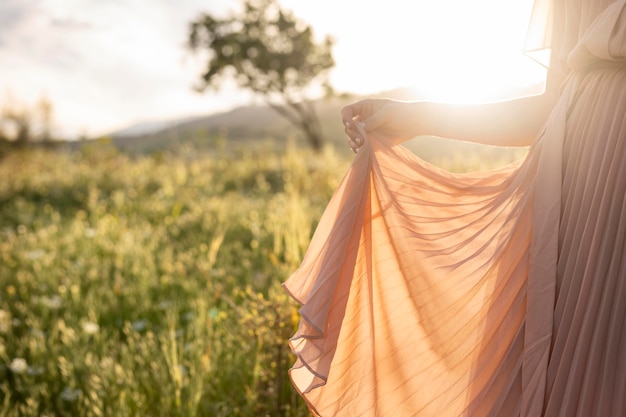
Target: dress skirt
x=499 y=293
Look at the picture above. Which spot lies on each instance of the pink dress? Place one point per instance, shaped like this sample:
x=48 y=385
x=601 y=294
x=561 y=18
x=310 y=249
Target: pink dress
x=500 y=293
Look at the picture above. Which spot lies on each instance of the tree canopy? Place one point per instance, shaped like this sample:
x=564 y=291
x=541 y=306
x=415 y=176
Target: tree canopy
x=269 y=51
x=21 y=124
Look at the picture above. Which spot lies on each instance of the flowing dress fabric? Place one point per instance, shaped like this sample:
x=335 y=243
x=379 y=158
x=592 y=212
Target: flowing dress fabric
x=500 y=293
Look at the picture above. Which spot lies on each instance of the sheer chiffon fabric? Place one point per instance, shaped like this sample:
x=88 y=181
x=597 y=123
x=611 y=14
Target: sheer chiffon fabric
x=500 y=293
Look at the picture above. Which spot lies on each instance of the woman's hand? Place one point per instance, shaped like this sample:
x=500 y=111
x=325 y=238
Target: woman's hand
x=393 y=121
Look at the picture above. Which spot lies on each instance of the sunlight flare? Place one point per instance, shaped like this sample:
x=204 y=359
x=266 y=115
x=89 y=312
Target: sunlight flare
x=450 y=50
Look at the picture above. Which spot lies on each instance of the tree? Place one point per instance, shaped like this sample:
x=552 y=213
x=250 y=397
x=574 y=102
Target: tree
x=16 y=125
x=21 y=124
x=45 y=112
x=269 y=51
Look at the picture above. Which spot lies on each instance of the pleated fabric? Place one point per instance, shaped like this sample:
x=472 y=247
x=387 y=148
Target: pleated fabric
x=500 y=293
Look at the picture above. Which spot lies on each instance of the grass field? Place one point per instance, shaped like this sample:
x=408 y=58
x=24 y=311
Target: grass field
x=150 y=285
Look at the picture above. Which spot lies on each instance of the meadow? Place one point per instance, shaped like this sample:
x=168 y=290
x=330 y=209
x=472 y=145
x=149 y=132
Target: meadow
x=149 y=285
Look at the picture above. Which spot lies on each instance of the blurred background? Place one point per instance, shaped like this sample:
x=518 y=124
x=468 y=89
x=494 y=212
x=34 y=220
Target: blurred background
x=110 y=66
x=162 y=168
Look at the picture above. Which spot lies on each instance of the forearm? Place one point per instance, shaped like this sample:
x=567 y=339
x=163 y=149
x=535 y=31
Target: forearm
x=508 y=123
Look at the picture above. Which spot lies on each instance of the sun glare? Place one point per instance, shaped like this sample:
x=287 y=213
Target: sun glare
x=445 y=50
x=473 y=51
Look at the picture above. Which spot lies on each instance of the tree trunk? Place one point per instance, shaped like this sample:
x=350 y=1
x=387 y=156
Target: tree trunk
x=312 y=131
x=304 y=117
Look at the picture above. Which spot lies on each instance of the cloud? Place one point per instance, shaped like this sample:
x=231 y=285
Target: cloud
x=105 y=64
x=69 y=23
x=13 y=13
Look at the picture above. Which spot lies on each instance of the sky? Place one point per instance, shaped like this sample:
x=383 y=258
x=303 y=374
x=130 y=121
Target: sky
x=108 y=64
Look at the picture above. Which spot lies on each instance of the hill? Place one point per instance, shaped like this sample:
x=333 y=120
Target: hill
x=257 y=125
x=244 y=125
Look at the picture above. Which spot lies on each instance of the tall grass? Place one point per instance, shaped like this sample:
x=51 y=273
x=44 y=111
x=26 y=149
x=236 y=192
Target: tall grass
x=150 y=285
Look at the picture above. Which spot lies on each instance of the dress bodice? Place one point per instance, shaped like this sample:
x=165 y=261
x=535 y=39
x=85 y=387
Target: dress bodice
x=589 y=31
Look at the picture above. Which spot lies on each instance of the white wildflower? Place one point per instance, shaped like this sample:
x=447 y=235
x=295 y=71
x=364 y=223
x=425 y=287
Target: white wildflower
x=35 y=254
x=165 y=305
x=53 y=303
x=18 y=366
x=69 y=394
x=91 y=327
x=139 y=325
x=36 y=371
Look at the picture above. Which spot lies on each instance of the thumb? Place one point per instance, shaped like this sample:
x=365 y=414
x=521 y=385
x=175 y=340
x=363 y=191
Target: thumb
x=375 y=121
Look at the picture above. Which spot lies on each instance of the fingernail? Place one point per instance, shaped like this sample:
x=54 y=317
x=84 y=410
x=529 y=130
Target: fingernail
x=359 y=141
x=347 y=124
x=361 y=124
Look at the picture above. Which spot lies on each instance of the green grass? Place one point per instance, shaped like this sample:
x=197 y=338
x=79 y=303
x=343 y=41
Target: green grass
x=150 y=285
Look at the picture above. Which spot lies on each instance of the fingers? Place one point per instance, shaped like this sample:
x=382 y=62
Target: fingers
x=356 y=134
x=356 y=111
x=352 y=117
x=355 y=144
x=348 y=113
x=354 y=129
x=378 y=119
